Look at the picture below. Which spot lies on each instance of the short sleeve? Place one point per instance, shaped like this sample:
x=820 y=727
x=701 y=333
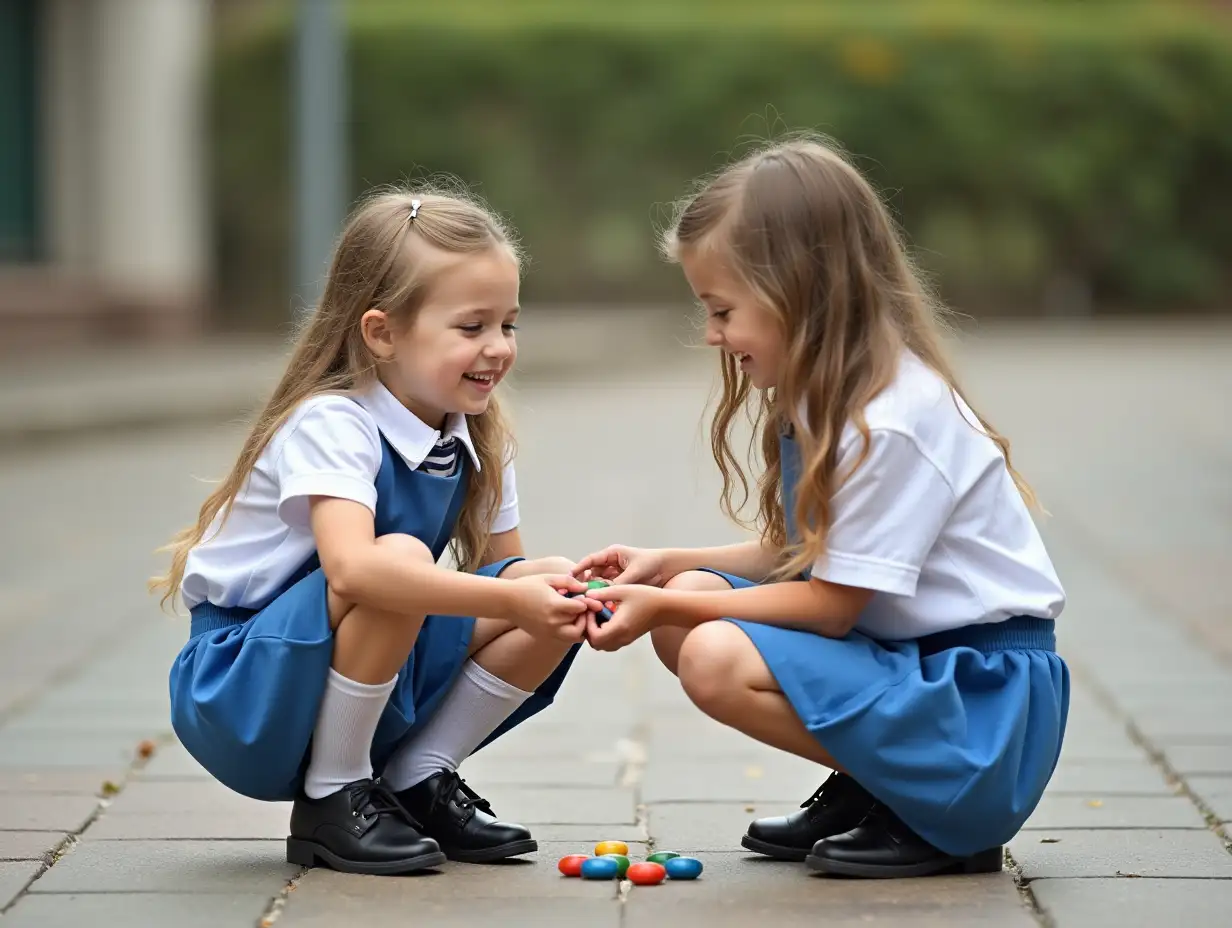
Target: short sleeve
x=886 y=517
x=331 y=449
x=507 y=517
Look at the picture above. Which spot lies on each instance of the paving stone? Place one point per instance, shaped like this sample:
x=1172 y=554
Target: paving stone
x=1096 y=779
x=735 y=889
x=1115 y=903
x=559 y=740
x=584 y=836
x=728 y=779
x=34 y=750
x=1184 y=725
x=532 y=877
x=87 y=782
x=138 y=910
x=134 y=720
x=567 y=805
x=483 y=772
x=268 y=823
x=551 y=851
x=1062 y=812
x=29 y=845
x=46 y=813
x=172 y=762
x=1100 y=746
x=707 y=826
x=170 y=867
x=602 y=911
x=14 y=875
x=1200 y=760
x=153 y=796
x=1112 y=853
x=1215 y=792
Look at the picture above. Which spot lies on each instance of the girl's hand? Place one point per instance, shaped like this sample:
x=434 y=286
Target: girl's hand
x=635 y=611
x=540 y=608
x=620 y=564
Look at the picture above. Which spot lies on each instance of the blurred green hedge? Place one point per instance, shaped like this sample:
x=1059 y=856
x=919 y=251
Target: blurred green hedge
x=1028 y=156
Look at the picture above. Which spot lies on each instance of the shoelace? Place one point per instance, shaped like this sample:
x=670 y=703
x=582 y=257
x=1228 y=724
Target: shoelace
x=452 y=784
x=822 y=791
x=372 y=797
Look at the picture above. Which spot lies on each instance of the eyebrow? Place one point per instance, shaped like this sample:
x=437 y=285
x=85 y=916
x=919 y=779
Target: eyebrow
x=488 y=310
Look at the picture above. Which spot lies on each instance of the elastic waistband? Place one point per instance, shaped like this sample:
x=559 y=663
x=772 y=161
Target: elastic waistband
x=206 y=617
x=1021 y=632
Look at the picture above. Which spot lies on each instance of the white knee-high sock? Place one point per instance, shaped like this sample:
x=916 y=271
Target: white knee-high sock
x=342 y=740
x=471 y=711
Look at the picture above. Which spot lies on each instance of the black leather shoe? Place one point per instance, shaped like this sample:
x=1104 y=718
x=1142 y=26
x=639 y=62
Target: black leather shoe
x=839 y=805
x=462 y=822
x=883 y=847
x=359 y=829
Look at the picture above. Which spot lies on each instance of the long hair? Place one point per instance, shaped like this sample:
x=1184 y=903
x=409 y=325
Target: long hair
x=374 y=266
x=808 y=235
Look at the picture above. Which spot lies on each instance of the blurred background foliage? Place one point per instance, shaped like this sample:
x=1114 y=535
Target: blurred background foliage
x=1043 y=157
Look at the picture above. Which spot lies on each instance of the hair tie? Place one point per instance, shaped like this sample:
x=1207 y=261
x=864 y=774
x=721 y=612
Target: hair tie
x=415 y=204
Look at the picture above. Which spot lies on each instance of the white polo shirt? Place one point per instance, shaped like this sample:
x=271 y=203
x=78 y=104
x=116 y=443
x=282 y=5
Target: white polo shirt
x=931 y=520
x=329 y=446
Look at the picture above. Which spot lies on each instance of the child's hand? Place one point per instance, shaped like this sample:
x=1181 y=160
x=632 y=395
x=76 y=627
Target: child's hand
x=539 y=606
x=635 y=611
x=620 y=564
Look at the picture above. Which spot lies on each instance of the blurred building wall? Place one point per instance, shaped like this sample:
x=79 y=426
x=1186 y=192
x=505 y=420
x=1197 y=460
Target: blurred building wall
x=120 y=228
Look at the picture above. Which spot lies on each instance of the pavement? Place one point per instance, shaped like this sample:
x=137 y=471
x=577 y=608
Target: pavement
x=105 y=820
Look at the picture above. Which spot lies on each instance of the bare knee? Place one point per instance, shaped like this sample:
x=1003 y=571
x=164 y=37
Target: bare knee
x=539 y=565
x=696 y=580
x=667 y=639
x=709 y=665
x=408 y=545
x=404 y=545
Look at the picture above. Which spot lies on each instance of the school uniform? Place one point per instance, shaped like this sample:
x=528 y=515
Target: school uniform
x=947 y=703
x=247 y=686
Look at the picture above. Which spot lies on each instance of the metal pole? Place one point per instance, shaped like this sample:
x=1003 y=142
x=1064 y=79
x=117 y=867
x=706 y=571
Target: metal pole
x=320 y=146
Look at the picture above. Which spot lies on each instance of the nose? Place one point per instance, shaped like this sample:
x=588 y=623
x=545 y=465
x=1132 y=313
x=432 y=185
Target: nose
x=713 y=338
x=498 y=349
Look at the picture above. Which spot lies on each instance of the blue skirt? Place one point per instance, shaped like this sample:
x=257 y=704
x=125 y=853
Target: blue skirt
x=958 y=733
x=246 y=688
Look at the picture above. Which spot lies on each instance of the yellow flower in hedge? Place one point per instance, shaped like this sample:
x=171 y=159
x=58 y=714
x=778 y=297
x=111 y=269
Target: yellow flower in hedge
x=870 y=60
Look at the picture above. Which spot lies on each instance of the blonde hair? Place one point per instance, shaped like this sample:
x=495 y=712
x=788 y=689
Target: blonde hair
x=808 y=235
x=374 y=266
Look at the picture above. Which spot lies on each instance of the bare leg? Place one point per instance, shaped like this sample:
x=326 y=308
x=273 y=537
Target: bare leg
x=667 y=639
x=508 y=652
x=722 y=672
x=506 y=665
x=371 y=646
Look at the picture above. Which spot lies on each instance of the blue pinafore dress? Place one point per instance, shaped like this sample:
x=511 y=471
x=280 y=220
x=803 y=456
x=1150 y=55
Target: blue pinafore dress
x=958 y=733
x=247 y=686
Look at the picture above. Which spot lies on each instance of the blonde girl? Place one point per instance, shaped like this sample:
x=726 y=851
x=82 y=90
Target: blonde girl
x=894 y=620
x=326 y=642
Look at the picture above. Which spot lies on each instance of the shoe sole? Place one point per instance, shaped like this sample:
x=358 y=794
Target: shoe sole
x=488 y=854
x=777 y=851
x=990 y=861
x=311 y=854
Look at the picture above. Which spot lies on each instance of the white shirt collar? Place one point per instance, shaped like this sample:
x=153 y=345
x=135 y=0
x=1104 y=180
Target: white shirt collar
x=410 y=436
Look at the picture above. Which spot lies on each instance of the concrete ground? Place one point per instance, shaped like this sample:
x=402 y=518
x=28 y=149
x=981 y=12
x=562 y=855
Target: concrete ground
x=105 y=820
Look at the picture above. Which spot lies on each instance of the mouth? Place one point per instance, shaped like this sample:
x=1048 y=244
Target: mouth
x=483 y=380
x=742 y=359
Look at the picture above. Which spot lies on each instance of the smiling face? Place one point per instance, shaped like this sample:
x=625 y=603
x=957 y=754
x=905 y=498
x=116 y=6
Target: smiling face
x=460 y=341
x=738 y=322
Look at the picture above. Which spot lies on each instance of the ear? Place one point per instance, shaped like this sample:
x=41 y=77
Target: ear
x=378 y=334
